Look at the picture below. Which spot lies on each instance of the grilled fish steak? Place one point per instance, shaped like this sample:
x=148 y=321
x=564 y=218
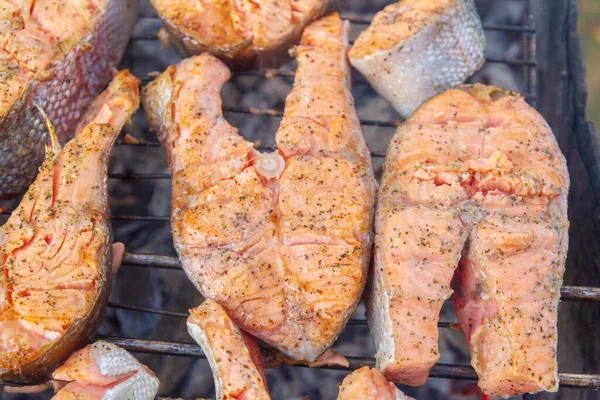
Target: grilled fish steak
x=415 y=49
x=234 y=356
x=473 y=165
x=369 y=384
x=54 y=249
x=282 y=241
x=57 y=54
x=243 y=33
x=104 y=371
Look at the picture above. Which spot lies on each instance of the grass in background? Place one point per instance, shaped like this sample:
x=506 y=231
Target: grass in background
x=589 y=29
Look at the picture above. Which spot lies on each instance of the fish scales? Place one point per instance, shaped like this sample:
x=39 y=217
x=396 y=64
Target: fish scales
x=415 y=49
x=64 y=89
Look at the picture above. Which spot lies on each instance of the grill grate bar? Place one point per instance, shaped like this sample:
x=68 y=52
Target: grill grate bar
x=280 y=73
x=362 y=20
x=503 y=60
x=446 y=371
x=571 y=293
x=176 y=314
x=531 y=51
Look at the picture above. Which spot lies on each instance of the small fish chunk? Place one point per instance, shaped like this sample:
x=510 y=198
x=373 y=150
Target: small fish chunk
x=369 y=384
x=234 y=356
x=104 y=371
x=415 y=49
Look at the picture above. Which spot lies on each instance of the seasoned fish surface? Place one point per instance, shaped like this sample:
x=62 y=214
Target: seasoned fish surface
x=54 y=248
x=415 y=49
x=368 y=384
x=233 y=355
x=59 y=55
x=242 y=33
x=280 y=240
x=473 y=165
x=104 y=371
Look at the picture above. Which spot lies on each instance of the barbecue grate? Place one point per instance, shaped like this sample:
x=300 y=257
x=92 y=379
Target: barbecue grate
x=527 y=65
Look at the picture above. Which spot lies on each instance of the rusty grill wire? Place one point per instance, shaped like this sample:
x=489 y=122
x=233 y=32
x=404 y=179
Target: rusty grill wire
x=447 y=371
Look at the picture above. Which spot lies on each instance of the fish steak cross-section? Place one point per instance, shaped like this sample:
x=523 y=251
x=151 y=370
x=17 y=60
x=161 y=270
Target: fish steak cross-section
x=282 y=241
x=474 y=180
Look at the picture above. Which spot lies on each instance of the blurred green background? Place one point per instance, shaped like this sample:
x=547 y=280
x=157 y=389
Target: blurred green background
x=589 y=29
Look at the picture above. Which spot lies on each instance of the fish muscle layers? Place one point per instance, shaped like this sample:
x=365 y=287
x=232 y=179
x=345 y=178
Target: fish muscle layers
x=104 y=371
x=280 y=240
x=415 y=49
x=473 y=163
x=54 y=248
x=57 y=54
x=368 y=384
x=233 y=355
x=242 y=33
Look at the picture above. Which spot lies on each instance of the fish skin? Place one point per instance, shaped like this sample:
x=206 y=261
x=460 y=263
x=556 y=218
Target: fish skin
x=234 y=356
x=236 y=224
x=415 y=49
x=249 y=34
x=64 y=90
x=104 y=371
x=369 y=384
x=64 y=216
x=474 y=180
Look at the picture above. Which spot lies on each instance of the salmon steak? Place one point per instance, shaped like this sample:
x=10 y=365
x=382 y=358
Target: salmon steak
x=104 y=371
x=55 y=271
x=234 y=356
x=474 y=180
x=369 y=384
x=242 y=33
x=282 y=240
x=56 y=65
x=415 y=49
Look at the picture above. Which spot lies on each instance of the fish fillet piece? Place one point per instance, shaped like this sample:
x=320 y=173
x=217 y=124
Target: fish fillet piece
x=104 y=371
x=59 y=66
x=369 y=384
x=282 y=240
x=234 y=356
x=474 y=178
x=415 y=49
x=242 y=33
x=55 y=263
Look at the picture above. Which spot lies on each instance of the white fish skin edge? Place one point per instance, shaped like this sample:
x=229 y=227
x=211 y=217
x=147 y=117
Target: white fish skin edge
x=113 y=360
x=444 y=53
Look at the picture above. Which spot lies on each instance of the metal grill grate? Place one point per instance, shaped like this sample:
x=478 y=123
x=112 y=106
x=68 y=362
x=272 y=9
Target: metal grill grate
x=528 y=67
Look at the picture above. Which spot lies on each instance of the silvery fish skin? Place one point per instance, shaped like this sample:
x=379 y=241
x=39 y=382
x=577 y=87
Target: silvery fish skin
x=55 y=252
x=415 y=49
x=65 y=87
x=233 y=355
x=105 y=371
